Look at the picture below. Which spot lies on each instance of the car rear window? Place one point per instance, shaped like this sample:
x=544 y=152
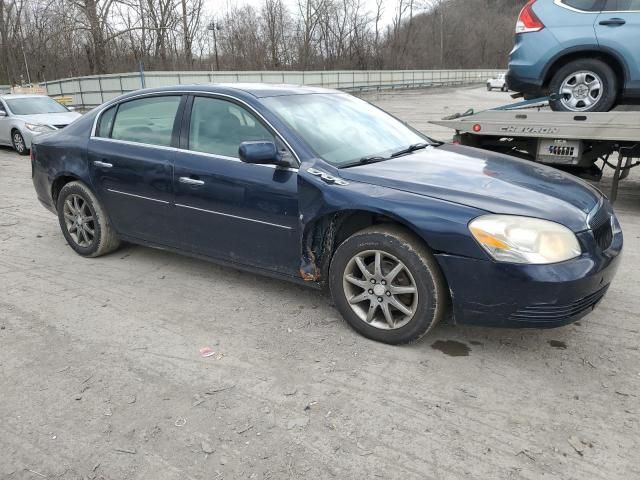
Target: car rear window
x=147 y=120
x=585 y=5
x=621 y=5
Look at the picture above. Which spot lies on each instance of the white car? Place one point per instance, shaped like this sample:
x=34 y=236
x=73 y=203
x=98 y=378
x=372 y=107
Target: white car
x=24 y=116
x=498 y=82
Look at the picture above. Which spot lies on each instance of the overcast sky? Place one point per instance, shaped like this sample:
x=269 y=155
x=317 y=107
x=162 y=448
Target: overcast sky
x=214 y=6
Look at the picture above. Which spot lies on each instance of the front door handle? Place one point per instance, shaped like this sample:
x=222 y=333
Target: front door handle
x=613 y=22
x=98 y=163
x=191 y=181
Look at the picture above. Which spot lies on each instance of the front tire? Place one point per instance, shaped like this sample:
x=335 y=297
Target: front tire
x=587 y=85
x=84 y=222
x=387 y=285
x=488 y=87
x=18 y=142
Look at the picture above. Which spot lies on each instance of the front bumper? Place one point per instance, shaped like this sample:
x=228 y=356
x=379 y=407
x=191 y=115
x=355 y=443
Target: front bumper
x=489 y=293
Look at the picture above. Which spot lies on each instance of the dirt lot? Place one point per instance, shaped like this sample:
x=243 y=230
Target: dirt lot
x=101 y=375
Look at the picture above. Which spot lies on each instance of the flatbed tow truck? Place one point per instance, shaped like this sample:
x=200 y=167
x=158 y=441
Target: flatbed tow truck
x=574 y=142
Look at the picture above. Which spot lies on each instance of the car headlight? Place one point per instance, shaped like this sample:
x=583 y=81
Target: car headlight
x=514 y=239
x=38 y=128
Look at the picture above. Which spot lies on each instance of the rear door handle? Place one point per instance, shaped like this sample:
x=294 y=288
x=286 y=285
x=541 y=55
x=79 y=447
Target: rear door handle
x=613 y=22
x=98 y=163
x=191 y=181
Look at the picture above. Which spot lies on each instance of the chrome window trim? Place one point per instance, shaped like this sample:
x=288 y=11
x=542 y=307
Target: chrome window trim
x=234 y=216
x=191 y=152
x=138 y=144
x=138 y=196
x=561 y=4
x=191 y=92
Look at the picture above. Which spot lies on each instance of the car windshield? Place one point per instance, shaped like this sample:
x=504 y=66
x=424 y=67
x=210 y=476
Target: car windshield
x=34 y=105
x=342 y=129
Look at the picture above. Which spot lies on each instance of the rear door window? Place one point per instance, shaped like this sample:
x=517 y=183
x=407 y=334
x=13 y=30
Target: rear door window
x=219 y=127
x=106 y=122
x=147 y=120
x=585 y=5
x=622 y=5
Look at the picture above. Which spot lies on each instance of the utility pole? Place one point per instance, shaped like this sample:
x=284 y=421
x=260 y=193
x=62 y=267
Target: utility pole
x=213 y=26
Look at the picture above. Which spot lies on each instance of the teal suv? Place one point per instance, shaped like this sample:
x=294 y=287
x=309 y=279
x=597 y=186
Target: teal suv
x=583 y=53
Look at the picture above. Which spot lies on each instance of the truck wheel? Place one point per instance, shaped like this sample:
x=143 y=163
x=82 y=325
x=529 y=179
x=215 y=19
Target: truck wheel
x=387 y=285
x=488 y=87
x=83 y=221
x=587 y=85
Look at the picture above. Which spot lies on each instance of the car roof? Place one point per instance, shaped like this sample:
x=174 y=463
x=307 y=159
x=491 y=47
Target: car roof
x=22 y=95
x=258 y=90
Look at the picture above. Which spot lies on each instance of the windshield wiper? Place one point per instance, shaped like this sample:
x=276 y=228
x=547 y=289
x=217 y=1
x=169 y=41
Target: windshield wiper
x=410 y=148
x=366 y=161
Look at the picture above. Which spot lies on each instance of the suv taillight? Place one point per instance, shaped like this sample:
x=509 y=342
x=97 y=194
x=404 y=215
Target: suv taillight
x=528 y=21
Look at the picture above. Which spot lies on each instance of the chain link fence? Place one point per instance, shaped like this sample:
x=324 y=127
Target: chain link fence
x=85 y=92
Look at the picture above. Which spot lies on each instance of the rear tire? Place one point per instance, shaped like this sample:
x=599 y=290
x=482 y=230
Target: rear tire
x=586 y=85
x=397 y=302
x=18 y=143
x=84 y=222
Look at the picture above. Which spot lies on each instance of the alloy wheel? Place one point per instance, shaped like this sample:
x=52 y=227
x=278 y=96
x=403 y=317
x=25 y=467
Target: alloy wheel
x=18 y=142
x=380 y=289
x=581 y=90
x=79 y=220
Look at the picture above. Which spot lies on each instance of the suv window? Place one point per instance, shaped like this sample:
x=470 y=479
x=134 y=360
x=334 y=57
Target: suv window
x=621 y=5
x=584 y=5
x=147 y=120
x=219 y=127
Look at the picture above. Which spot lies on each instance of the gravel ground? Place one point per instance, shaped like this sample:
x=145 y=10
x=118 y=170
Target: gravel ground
x=101 y=375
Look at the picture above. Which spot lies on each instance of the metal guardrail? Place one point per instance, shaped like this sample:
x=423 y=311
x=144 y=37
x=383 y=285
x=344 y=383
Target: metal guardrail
x=97 y=89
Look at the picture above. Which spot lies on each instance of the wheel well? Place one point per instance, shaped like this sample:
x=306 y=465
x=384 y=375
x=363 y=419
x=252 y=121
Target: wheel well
x=607 y=58
x=323 y=237
x=58 y=183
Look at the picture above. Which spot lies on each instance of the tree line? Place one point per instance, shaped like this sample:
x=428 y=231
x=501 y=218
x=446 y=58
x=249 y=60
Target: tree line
x=49 y=39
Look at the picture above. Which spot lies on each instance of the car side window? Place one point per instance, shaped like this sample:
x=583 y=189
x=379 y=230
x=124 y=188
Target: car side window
x=621 y=5
x=106 y=122
x=2 y=109
x=147 y=120
x=584 y=5
x=219 y=127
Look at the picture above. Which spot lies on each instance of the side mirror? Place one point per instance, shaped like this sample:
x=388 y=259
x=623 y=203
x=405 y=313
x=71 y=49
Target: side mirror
x=71 y=109
x=3 y=113
x=260 y=152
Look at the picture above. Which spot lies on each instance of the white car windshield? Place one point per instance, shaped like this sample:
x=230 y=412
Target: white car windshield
x=34 y=105
x=342 y=129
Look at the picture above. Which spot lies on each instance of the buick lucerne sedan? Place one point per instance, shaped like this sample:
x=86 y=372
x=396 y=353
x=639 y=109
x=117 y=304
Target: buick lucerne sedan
x=319 y=187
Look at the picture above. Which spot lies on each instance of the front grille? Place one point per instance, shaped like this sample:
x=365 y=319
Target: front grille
x=603 y=236
x=600 y=225
x=541 y=312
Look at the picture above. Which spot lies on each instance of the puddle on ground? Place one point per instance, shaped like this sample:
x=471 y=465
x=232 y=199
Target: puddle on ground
x=476 y=342
x=451 y=348
x=557 y=344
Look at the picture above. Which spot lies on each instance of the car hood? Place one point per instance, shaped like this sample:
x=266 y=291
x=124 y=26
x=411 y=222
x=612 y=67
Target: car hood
x=486 y=180
x=63 y=118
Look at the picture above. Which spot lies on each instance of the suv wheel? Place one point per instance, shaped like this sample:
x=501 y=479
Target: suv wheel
x=387 y=285
x=583 y=86
x=488 y=87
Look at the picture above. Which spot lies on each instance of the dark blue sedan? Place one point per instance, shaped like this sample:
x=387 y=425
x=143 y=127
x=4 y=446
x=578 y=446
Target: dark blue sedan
x=319 y=187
